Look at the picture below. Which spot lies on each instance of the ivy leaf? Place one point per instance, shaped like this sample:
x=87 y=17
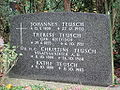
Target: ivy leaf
x=117 y=38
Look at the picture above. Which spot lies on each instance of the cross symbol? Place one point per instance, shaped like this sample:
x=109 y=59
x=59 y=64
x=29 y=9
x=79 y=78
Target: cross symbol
x=21 y=33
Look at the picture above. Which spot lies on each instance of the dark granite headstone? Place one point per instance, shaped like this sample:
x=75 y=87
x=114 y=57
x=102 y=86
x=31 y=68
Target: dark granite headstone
x=66 y=47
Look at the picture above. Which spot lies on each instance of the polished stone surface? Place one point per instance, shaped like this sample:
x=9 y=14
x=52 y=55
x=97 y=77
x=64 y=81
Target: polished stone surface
x=65 y=47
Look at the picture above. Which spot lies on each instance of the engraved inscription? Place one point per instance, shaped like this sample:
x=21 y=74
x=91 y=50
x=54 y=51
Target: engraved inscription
x=63 y=46
x=57 y=46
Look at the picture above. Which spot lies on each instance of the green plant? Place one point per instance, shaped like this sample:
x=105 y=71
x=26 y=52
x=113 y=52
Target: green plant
x=8 y=59
x=30 y=87
x=116 y=35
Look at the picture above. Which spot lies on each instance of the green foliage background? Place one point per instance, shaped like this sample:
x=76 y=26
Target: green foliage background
x=10 y=8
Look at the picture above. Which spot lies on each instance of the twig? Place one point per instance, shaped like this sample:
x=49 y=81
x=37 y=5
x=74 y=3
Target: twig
x=67 y=5
x=11 y=66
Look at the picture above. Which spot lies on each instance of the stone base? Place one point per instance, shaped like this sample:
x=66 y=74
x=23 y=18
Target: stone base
x=49 y=84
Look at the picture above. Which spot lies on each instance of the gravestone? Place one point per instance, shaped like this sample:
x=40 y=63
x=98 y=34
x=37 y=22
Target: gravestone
x=63 y=46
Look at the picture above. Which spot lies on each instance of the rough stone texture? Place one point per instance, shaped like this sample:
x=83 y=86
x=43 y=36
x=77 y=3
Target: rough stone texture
x=96 y=68
x=56 y=85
